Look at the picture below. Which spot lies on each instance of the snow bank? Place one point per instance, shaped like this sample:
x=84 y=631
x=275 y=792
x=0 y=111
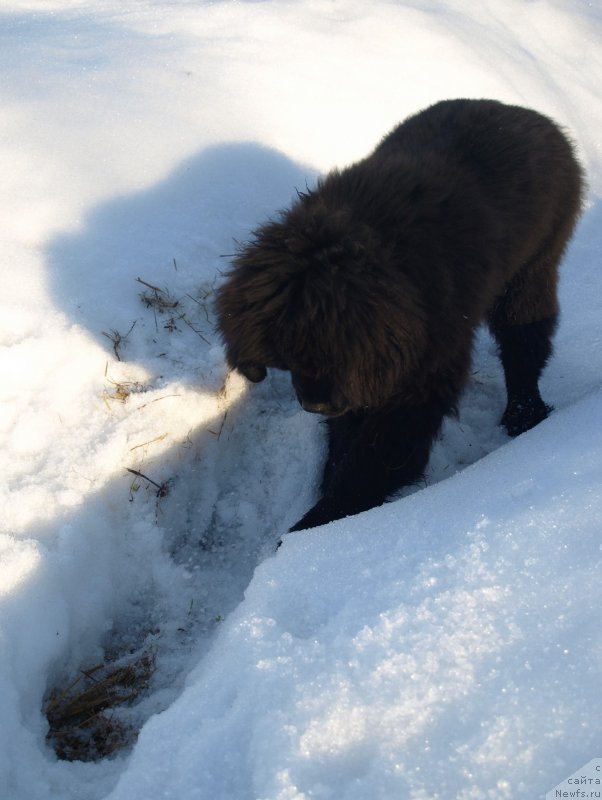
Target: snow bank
x=365 y=654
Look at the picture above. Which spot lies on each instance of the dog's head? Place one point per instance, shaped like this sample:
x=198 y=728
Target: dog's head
x=317 y=294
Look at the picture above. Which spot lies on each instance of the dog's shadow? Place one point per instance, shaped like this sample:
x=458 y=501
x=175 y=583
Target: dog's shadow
x=176 y=235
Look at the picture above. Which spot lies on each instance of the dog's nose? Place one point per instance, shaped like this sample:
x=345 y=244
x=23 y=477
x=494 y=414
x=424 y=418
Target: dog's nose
x=253 y=372
x=315 y=408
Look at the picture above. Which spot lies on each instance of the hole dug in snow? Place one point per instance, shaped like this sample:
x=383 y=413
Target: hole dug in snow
x=84 y=718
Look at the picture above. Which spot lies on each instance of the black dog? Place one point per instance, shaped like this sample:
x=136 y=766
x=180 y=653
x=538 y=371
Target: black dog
x=370 y=288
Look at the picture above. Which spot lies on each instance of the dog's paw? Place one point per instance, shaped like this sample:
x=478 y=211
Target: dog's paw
x=522 y=415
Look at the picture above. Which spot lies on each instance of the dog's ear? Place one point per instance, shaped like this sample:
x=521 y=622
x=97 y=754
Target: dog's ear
x=252 y=372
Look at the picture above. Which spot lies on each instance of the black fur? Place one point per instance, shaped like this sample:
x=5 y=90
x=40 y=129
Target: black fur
x=370 y=287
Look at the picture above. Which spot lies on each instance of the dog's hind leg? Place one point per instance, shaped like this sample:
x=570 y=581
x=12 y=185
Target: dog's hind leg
x=523 y=321
x=524 y=351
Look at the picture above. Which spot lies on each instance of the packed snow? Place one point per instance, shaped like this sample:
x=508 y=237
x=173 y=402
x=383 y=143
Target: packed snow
x=444 y=645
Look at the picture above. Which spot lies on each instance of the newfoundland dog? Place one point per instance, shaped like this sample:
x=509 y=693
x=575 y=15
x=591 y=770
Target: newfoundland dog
x=369 y=289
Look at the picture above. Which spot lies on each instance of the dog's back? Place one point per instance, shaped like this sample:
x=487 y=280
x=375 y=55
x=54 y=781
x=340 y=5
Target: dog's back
x=522 y=161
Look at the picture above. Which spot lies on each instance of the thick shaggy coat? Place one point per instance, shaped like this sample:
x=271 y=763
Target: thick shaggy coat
x=370 y=287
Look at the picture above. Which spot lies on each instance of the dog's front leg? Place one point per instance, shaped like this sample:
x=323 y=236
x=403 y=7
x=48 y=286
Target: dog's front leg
x=370 y=456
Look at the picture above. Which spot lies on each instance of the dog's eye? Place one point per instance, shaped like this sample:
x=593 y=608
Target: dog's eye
x=276 y=361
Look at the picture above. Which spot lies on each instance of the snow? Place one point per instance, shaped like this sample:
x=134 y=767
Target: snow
x=444 y=645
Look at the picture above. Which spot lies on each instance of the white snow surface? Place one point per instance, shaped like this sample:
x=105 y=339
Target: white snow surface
x=445 y=645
